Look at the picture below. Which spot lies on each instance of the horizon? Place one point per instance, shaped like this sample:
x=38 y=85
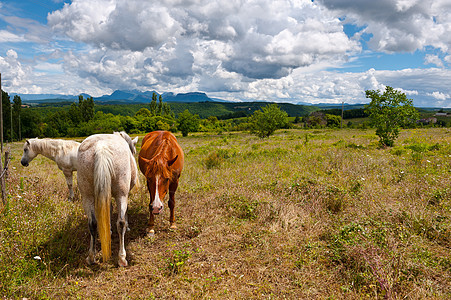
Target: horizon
x=315 y=51
x=75 y=97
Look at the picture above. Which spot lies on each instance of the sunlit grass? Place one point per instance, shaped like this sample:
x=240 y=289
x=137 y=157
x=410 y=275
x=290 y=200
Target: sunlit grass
x=303 y=214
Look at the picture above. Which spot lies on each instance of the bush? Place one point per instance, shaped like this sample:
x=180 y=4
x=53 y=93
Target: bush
x=188 y=122
x=266 y=121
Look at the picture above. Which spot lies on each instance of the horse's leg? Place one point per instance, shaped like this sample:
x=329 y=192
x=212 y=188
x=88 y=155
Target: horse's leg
x=69 y=181
x=122 y=225
x=171 y=203
x=151 y=224
x=92 y=223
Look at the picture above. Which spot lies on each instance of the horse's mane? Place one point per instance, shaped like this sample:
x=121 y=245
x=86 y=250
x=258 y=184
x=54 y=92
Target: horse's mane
x=51 y=146
x=159 y=162
x=128 y=139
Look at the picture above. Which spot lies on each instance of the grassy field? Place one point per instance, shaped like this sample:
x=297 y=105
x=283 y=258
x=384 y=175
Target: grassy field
x=318 y=214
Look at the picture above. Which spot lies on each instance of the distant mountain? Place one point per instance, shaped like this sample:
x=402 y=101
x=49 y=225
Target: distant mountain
x=38 y=97
x=146 y=97
x=186 y=97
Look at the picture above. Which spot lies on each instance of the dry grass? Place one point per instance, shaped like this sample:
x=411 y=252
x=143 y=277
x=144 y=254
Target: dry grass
x=303 y=214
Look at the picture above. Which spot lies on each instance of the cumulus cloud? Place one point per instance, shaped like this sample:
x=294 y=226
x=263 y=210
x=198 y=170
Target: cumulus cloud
x=439 y=95
x=263 y=39
x=433 y=59
x=288 y=50
x=14 y=74
x=399 y=25
x=421 y=85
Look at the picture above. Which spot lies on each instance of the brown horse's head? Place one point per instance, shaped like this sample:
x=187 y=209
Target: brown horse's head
x=159 y=175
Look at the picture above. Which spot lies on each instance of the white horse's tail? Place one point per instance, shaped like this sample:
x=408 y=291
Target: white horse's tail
x=103 y=173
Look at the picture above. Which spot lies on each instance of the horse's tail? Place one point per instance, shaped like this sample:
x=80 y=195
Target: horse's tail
x=103 y=173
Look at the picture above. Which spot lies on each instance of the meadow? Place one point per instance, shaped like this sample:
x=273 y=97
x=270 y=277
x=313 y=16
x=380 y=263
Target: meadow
x=304 y=214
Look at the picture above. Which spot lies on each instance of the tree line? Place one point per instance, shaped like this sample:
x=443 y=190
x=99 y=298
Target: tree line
x=83 y=119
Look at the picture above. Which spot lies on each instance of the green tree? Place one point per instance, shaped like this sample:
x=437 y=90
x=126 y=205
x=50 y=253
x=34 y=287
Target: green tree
x=160 y=106
x=167 y=110
x=58 y=124
x=388 y=112
x=333 y=121
x=86 y=107
x=6 y=107
x=74 y=114
x=31 y=123
x=266 y=121
x=143 y=112
x=187 y=122
x=153 y=105
x=17 y=106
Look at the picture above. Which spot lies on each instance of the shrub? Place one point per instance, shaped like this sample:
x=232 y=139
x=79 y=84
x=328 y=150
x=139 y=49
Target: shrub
x=266 y=121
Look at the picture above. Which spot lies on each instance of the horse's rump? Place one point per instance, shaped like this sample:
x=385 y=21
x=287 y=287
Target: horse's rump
x=107 y=169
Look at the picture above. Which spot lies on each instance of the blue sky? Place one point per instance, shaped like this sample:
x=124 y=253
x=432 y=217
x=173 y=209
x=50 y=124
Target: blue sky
x=322 y=51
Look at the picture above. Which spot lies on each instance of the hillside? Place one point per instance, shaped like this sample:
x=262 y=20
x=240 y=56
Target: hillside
x=203 y=109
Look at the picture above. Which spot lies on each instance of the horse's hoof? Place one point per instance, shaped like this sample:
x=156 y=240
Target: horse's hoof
x=90 y=260
x=150 y=233
x=128 y=229
x=173 y=226
x=122 y=262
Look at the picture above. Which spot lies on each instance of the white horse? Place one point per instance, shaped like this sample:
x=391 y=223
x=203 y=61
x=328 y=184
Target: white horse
x=107 y=168
x=63 y=152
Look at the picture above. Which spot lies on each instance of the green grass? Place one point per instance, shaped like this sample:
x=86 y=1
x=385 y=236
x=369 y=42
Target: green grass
x=304 y=214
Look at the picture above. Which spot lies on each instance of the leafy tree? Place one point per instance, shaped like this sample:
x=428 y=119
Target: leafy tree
x=153 y=105
x=143 y=112
x=316 y=119
x=265 y=121
x=58 y=124
x=86 y=107
x=388 y=112
x=17 y=106
x=160 y=106
x=333 y=120
x=6 y=110
x=187 y=122
x=74 y=113
x=130 y=124
x=167 y=110
x=30 y=123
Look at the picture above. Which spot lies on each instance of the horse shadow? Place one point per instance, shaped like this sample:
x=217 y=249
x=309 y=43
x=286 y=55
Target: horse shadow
x=65 y=252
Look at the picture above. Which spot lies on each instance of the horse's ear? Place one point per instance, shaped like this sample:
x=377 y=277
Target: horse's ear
x=135 y=140
x=172 y=161
x=28 y=142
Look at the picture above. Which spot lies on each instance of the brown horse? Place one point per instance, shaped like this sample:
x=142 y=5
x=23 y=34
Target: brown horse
x=161 y=161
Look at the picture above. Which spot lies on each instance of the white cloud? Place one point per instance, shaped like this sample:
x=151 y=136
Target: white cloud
x=14 y=74
x=433 y=59
x=439 y=95
x=7 y=37
x=332 y=87
x=249 y=50
x=264 y=39
x=402 y=25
